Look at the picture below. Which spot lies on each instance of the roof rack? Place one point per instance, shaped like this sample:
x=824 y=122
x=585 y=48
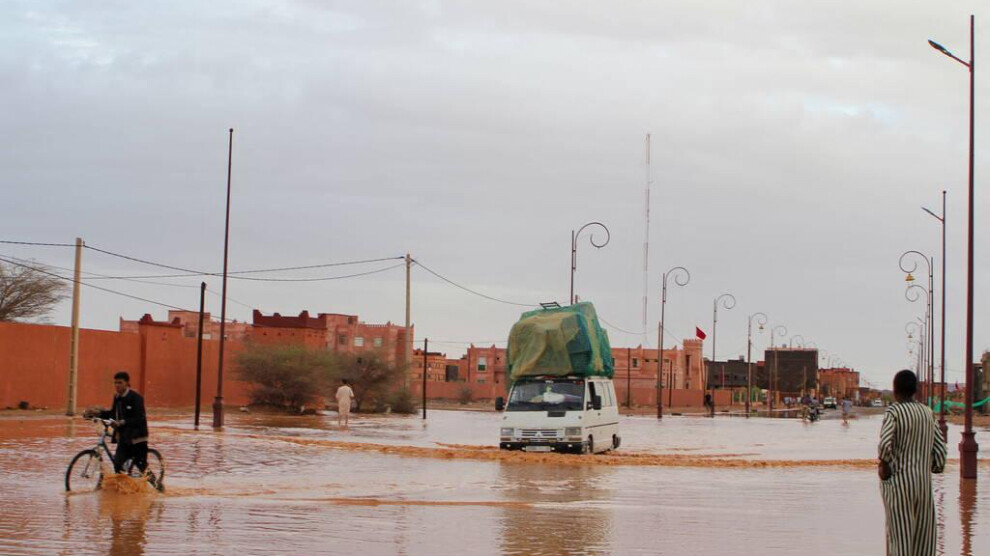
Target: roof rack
x=550 y=305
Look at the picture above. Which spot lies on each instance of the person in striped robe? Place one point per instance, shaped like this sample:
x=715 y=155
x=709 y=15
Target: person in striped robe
x=911 y=449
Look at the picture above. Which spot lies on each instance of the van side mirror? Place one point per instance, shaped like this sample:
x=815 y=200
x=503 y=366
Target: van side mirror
x=596 y=403
x=499 y=403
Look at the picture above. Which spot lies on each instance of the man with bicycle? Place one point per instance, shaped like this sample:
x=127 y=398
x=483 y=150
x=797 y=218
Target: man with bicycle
x=129 y=421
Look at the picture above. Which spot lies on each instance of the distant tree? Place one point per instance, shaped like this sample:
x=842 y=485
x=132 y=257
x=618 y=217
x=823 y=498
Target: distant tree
x=374 y=380
x=27 y=292
x=465 y=395
x=284 y=376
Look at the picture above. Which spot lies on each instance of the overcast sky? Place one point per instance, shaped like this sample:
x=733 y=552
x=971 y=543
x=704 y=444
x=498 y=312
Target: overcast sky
x=793 y=146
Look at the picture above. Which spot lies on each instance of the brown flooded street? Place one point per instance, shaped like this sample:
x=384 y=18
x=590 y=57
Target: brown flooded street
x=398 y=485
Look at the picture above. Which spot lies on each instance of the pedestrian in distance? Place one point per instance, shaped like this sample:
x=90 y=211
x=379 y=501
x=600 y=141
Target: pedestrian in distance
x=344 y=396
x=911 y=449
x=846 y=409
x=129 y=421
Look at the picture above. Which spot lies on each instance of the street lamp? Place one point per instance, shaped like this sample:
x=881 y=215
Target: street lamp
x=728 y=301
x=968 y=447
x=681 y=277
x=941 y=412
x=218 y=400
x=928 y=370
x=800 y=342
x=771 y=382
x=574 y=244
x=761 y=321
x=927 y=336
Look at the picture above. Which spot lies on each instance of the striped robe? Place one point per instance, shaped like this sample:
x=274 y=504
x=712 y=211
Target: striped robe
x=913 y=447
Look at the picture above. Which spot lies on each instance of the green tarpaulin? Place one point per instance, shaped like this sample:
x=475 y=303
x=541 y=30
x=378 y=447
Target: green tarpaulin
x=560 y=341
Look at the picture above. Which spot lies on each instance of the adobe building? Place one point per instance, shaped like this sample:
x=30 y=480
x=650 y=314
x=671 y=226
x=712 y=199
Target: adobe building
x=333 y=332
x=436 y=365
x=841 y=382
x=795 y=370
x=639 y=364
x=189 y=321
x=734 y=373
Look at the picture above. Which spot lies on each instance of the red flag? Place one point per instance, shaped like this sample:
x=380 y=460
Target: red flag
x=700 y=333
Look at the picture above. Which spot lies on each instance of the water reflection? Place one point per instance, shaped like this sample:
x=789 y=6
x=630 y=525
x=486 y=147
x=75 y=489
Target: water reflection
x=129 y=516
x=569 y=514
x=967 y=511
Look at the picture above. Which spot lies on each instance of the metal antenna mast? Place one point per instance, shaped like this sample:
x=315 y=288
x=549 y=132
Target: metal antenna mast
x=646 y=239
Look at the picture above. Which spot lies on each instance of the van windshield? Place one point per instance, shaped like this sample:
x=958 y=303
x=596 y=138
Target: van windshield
x=547 y=396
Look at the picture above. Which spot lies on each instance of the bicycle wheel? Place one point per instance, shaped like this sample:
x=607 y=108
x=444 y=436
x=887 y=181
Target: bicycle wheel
x=156 y=469
x=85 y=472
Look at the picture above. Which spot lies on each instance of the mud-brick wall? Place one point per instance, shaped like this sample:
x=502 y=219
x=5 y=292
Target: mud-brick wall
x=34 y=366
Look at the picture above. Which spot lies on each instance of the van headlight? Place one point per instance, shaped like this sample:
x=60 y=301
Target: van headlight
x=506 y=431
x=572 y=431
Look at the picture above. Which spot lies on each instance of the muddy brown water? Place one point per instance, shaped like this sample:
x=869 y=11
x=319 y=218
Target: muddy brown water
x=398 y=485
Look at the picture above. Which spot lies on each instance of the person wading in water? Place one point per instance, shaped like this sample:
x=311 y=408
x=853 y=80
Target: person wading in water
x=911 y=449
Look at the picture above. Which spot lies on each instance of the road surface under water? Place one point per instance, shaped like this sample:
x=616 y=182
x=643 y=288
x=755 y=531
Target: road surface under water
x=399 y=485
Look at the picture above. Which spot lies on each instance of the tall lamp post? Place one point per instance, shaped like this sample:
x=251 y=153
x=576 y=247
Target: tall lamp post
x=771 y=382
x=941 y=412
x=681 y=277
x=574 y=244
x=761 y=321
x=727 y=301
x=218 y=401
x=928 y=370
x=927 y=341
x=968 y=448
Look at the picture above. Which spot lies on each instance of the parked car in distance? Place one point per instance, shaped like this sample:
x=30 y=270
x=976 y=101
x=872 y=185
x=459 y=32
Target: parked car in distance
x=829 y=403
x=876 y=403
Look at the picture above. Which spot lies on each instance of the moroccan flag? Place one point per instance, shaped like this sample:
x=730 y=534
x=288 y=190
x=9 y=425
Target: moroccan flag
x=700 y=333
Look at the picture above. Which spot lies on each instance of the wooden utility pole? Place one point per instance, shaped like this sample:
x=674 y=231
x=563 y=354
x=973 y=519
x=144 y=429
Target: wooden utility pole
x=409 y=340
x=199 y=349
x=426 y=366
x=74 y=335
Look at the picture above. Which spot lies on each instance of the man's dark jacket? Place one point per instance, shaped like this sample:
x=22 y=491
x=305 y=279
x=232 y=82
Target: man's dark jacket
x=128 y=410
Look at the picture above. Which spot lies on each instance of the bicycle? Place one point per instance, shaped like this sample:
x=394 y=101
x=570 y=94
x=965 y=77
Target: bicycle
x=85 y=472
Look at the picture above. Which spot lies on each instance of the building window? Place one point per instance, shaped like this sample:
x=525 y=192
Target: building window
x=378 y=342
x=481 y=381
x=635 y=363
x=342 y=340
x=482 y=363
x=358 y=341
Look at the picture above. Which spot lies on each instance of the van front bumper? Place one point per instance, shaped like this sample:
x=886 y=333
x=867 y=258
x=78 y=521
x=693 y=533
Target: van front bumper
x=557 y=446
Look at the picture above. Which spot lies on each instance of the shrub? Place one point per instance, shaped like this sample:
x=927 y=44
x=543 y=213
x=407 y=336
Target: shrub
x=465 y=395
x=402 y=401
x=372 y=378
x=285 y=377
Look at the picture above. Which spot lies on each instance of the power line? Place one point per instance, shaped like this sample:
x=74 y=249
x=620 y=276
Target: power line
x=469 y=290
x=36 y=269
x=9 y=242
x=234 y=275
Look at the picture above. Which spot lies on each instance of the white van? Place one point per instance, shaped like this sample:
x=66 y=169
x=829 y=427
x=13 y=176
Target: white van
x=561 y=414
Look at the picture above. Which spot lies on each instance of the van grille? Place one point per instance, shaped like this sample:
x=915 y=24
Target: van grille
x=538 y=433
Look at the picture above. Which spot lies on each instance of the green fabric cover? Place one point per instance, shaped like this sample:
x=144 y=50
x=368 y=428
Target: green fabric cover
x=561 y=341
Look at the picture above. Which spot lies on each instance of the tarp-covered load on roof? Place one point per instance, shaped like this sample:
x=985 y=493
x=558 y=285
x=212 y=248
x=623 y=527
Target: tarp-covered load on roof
x=560 y=341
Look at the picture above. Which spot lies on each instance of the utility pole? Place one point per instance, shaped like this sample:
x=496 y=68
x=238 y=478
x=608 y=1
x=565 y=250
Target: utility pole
x=199 y=349
x=409 y=340
x=426 y=363
x=74 y=335
x=628 y=377
x=218 y=401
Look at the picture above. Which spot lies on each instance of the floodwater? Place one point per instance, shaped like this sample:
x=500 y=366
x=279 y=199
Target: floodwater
x=399 y=485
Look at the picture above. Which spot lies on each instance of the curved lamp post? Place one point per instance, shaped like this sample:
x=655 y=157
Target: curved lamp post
x=761 y=321
x=780 y=330
x=927 y=338
x=728 y=301
x=681 y=277
x=928 y=370
x=968 y=447
x=574 y=244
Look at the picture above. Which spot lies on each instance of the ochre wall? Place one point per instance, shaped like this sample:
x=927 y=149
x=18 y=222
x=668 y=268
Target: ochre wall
x=34 y=366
